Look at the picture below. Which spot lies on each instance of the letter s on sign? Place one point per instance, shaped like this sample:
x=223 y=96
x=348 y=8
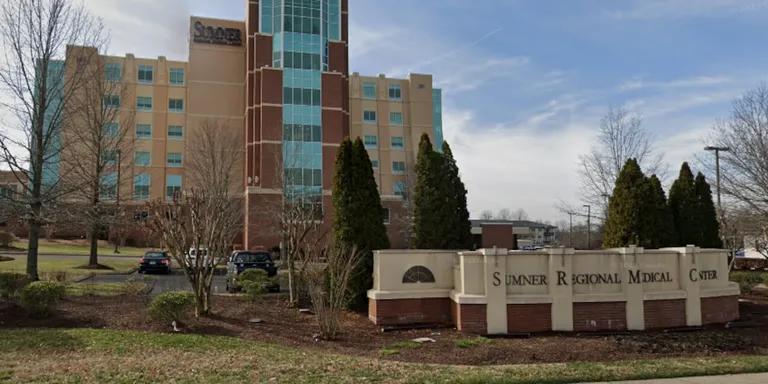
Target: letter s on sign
x=496 y=279
x=693 y=274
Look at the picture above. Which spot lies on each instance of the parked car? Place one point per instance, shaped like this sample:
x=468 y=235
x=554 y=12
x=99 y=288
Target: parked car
x=155 y=261
x=240 y=261
x=193 y=253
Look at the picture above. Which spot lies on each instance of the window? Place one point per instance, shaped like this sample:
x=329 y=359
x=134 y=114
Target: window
x=418 y=274
x=396 y=118
x=399 y=188
x=369 y=90
x=143 y=131
x=397 y=142
x=144 y=103
x=394 y=92
x=142 y=159
x=371 y=141
x=7 y=191
x=177 y=76
x=175 y=132
x=398 y=167
x=112 y=101
x=108 y=189
x=172 y=186
x=111 y=129
x=146 y=73
x=110 y=157
x=141 y=186
x=176 y=105
x=369 y=116
x=386 y=215
x=174 y=159
x=374 y=163
x=113 y=71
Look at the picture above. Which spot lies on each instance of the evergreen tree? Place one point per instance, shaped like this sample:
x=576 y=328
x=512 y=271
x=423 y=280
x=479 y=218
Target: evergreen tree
x=684 y=206
x=708 y=226
x=627 y=220
x=429 y=214
x=458 y=227
x=359 y=216
x=661 y=230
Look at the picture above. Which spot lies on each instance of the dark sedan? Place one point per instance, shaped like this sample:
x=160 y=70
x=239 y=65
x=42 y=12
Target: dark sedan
x=240 y=261
x=155 y=261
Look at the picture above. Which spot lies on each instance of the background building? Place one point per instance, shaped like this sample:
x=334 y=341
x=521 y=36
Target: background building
x=280 y=79
x=512 y=234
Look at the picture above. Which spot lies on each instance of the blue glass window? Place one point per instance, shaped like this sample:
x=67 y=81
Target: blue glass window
x=146 y=73
x=399 y=188
x=110 y=157
x=144 y=103
x=175 y=105
x=108 y=188
x=371 y=141
x=397 y=142
x=176 y=76
x=142 y=159
x=175 y=132
x=112 y=101
x=172 y=186
x=394 y=92
x=396 y=118
x=369 y=116
x=398 y=167
x=141 y=184
x=174 y=159
x=374 y=163
x=143 y=131
x=113 y=71
x=369 y=90
x=111 y=129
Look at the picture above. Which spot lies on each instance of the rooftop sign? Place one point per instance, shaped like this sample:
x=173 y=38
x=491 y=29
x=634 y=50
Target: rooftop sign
x=207 y=34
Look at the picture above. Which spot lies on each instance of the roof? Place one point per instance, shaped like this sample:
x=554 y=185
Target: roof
x=514 y=223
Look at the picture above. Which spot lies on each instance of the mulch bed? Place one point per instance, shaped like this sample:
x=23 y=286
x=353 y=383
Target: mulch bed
x=285 y=326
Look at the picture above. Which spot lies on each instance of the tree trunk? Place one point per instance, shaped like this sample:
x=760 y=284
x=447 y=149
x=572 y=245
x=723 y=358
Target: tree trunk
x=291 y=284
x=93 y=260
x=32 y=248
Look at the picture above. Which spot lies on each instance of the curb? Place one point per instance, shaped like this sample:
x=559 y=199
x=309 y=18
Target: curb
x=92 y=275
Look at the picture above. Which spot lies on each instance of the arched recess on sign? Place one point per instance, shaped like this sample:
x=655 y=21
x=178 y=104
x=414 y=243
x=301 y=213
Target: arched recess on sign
x=418 y=274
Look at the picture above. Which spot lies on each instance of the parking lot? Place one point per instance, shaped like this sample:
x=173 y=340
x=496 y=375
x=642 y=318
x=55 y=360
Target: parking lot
x=176 y=281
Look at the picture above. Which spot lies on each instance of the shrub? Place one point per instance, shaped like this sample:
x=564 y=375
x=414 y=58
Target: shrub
x=6 y=239
x=747 y=280
x=11 y=283
x=171 y=306
x=40 y=297
x=254 y=282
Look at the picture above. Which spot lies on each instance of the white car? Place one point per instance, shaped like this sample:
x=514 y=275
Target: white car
x=193 y=253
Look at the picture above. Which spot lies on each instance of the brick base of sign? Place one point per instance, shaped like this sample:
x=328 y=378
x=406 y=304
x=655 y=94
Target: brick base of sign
x=600 y=316
x=469 y=318
x=529 y=318
x=664 y=313
x=410 y=311
x=716 y=310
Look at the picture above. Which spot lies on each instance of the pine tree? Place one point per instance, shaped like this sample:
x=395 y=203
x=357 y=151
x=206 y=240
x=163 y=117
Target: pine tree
x=661 y=230
x=429 y=204
x=626 y=222
x=708 y=226
x=684 y=206
x=459 y=226
x=359 y=216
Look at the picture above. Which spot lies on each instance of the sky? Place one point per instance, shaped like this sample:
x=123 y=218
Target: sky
x=526 y=82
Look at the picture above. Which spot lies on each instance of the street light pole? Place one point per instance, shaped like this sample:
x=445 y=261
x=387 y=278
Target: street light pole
x=717 y=151
x=117 y=199
x=589 y=226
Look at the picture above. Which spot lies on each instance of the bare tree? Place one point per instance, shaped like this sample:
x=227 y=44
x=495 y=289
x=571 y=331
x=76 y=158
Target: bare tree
x=327 y=278
x=486 y=214
x=38 y=86
x=520 y=214
x=98 y=138
x=504 y=214
x=207 y=215
x=621 y=137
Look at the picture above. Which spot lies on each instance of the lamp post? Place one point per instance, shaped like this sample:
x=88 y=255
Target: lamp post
x=589 y=225
x=717 y=151
x=117 y=200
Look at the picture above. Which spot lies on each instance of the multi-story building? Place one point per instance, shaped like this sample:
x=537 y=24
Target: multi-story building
x=280 y=79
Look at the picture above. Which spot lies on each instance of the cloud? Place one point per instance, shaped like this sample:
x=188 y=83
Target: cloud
x=638 y=82
x=666 y=9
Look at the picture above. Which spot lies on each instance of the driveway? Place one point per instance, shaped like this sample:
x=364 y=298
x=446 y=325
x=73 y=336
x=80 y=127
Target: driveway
x=162 y=283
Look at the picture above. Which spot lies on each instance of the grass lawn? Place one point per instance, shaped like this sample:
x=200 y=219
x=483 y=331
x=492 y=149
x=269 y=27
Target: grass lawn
x=98 y=356
x=79 y=247
x=68 y=265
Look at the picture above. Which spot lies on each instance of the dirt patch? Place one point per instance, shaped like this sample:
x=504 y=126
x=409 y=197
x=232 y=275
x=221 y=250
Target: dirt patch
x=6 y=258
x=285 y=326
x=97 y=267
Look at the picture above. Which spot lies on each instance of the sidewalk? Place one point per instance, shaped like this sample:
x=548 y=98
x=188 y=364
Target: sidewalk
x=749 y=378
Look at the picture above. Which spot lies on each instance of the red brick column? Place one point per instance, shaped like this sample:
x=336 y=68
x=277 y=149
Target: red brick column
x=715 y=310
x=469 y=318
x=664 y=313
x=600 y=316
x=410 y=311
x=529 y=317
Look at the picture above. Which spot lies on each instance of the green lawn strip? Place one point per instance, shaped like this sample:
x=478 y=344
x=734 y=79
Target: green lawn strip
x=395 y=348
x=104 y=289
x=68 y=265
x=52 y=247
x=117 y=356
x=472 y=341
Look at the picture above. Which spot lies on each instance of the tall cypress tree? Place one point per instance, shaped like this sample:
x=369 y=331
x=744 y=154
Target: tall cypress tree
x=684 y=206
x=626 y=222
x=458 y=226
x=429 y=203
x=359 y=216
x=708 y=226
x=661 y=229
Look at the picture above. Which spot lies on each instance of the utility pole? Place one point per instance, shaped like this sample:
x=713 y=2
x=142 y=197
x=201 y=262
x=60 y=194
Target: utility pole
x=717 y=151
x=589 y=225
